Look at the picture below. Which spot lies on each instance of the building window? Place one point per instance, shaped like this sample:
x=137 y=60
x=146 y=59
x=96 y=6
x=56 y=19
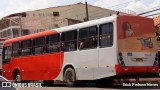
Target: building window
x=39 y=45
x=72 y=21
x=9 y=32
x=25 y=32
x=1 y=34
x=69 y=41
x=55 y=13
x=15 y=32
x=53 y=43
x=24 y=14
x=26 y=47
x=4 y=33
x=106 y=35
x=88 y=38
x=16 y=50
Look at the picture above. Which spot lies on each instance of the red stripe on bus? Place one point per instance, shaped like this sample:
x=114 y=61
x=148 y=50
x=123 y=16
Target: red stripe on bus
x=31 y=36
x=135 y=69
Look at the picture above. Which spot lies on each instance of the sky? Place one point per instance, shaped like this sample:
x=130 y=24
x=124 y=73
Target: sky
x=8 y=7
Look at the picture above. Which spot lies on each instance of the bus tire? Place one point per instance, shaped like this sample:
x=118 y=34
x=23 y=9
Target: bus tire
x=70 y=77
x=17 y=77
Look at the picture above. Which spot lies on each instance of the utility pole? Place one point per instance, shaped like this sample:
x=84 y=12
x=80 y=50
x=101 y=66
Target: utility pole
x=87 y=16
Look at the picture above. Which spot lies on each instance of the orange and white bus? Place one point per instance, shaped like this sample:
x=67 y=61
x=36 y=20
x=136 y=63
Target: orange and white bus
x=103 y=48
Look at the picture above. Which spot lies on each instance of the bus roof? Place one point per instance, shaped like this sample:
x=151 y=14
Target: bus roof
x=36 y=35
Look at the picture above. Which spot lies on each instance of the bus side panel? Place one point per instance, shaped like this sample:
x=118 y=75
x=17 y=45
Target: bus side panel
x=84 y=62
x=40 y=67
x=6 y=71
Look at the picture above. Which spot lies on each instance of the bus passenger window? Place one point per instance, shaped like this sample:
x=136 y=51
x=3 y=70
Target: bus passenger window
x=88 y=38
x=69 y=41
x=53 y=43
x=16 y=49
x=106 y=35
x=39 y=45
x=26 y=47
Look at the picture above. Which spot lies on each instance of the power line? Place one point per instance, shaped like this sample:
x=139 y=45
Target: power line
x=149 y=11
x=122 y=4
x=84 y=8
x=153 y=14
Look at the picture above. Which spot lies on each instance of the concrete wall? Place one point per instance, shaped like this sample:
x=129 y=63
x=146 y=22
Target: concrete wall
x=76 y=12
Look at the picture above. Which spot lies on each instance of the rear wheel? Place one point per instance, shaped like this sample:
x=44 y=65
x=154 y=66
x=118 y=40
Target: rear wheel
x=70 y=77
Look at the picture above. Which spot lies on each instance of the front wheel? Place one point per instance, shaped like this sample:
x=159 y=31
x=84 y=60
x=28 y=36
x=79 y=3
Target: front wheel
x=17 y=77
x=70 y=77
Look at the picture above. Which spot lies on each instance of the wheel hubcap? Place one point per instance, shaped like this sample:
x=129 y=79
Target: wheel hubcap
x=18 y=78
x=70 y=77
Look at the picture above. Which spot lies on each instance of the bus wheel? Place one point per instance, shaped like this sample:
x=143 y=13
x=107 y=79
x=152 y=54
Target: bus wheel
x=70 y=77
x=17 y=77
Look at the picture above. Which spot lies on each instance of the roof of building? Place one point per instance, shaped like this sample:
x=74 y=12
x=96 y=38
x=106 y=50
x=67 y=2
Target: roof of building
x=21 y=13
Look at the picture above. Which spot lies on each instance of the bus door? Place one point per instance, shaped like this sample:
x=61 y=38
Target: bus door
x=6 y=58
x=106 y=50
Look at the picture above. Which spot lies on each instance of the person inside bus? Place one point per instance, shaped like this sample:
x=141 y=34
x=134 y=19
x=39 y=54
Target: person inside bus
x=127 y=30
x=94 y=41
x=58 y=47
x=54 y=48
x=62 y=46
x=81 y=44
x=71 y=46
x=103 y=40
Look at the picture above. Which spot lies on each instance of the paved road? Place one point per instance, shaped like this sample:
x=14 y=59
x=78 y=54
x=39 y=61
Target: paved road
x=4 y=84
x=65 y=88
x=90 y=87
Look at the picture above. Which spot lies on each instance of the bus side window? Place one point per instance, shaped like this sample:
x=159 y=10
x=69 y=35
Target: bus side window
x=93 y=36
x=106 y=35
x=39 y=45
x=53 y=43
x=88 y=38
x=6 y=54
x=26 y=47
x=16 y=49
x=69 y=41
